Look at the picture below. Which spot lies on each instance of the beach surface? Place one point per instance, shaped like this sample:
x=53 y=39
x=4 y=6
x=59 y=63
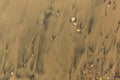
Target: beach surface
x=59 y=40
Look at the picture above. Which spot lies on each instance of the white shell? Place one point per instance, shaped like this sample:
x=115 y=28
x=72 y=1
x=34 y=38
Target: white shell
x=78 y=30
x=73 y=19
x=91 y=65
x=12 y=73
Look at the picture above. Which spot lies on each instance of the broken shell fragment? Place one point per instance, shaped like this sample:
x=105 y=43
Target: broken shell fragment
x=58 y=12
x=78 y=30
x=75 y=23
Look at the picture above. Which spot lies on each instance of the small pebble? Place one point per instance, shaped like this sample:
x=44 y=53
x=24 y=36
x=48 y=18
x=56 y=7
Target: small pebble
x=78 y=30
x=74 y=23
x=58 y=13
x=109 y=3
x=12 y=73
x=84 y=72
x=92 y=65
x=108 y=77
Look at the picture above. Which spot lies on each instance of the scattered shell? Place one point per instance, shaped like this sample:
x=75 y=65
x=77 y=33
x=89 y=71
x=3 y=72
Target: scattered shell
x=84 y=72
x=73 y=19
x=108 y=77
x=78 y=30
x=108 y=5
x=12 y=73
x=92 y=65
x=58 y=12
x=75 y=23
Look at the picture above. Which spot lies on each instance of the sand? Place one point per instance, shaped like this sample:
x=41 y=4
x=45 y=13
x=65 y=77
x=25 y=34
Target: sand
x=39 y=41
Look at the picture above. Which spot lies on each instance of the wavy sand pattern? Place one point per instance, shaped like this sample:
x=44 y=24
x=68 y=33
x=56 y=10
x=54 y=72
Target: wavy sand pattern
x=40 y=41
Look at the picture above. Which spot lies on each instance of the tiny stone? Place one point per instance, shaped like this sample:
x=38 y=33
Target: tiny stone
x=91 y=65
x=108 y=78
x=108 y=5
x=75 y=23
x=84 y=72
x=78 y=30
x=58 y=13
x=12 y=73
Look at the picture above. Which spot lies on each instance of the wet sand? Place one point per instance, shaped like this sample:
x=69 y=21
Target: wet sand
x=40 y=40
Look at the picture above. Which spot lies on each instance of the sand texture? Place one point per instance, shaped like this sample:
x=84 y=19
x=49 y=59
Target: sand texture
x=59 y=39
